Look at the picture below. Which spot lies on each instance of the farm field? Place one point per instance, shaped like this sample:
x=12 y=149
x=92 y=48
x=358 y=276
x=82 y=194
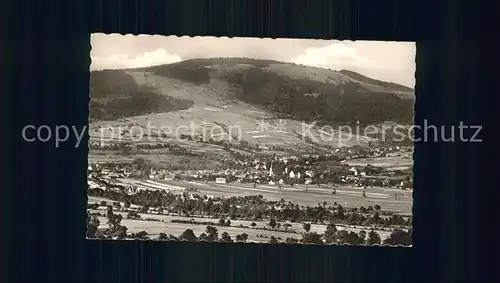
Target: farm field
x=154 y=228
x=346 y=196
x=404 y=161
x=92 y=199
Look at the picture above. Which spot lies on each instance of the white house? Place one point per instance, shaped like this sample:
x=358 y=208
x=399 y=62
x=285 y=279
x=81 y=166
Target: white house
x=220 y=180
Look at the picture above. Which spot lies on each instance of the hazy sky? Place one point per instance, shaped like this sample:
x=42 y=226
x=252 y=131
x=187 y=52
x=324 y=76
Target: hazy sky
x=388 y=61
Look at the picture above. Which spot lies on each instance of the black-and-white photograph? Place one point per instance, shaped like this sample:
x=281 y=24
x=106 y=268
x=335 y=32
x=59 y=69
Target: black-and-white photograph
x=251 y=140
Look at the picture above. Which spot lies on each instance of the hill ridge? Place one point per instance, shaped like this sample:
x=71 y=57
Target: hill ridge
x=302 y=92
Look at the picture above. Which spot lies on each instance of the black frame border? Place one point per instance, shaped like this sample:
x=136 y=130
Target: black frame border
x=48 y=58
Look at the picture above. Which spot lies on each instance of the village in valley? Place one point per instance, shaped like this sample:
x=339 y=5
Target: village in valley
x=238 y=147
x=258 y=197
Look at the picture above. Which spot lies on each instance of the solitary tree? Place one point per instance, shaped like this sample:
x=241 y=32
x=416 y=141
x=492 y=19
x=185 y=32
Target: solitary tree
x=188 y=235
x=330 y=235
x=212 y=234
x=202 y=237
x=272 y=223
x=306 y=226
x=225 y=238
x=273 y=240
x=244 y=237
x=373 y=238
x=362 y=236
x=92 y=226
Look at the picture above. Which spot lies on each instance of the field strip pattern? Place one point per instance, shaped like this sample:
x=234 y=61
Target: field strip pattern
x=349 y=197
x=259 y=188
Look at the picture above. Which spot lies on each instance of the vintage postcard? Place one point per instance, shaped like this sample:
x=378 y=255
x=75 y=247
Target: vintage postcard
x=251 y=140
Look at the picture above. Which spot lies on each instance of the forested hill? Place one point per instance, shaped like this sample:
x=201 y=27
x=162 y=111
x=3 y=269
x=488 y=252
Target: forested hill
x=115 y=94
x=303 y=92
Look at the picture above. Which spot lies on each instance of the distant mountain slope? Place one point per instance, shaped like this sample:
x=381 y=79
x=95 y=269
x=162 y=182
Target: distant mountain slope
x=386 y=85
x=305 y=93
x=377 y=85
x=115 y=94
x=283 y=89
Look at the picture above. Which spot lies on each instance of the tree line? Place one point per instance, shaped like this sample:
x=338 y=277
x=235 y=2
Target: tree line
x=332 y=235
x=252 y=208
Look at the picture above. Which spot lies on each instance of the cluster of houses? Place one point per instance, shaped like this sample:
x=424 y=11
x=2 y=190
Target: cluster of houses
x=272 y=170
x=105 y=178
x=364 y=152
